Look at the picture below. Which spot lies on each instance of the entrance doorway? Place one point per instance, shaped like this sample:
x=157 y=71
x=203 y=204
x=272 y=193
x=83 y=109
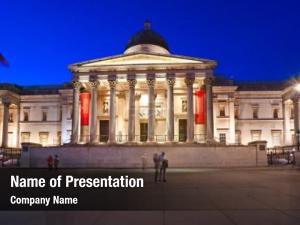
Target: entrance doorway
x=144 y=132
x=104 y=128
x=182 y=130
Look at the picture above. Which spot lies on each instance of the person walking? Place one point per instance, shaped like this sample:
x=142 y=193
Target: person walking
x=50 y=162
x=163 y=167
x=156 y=166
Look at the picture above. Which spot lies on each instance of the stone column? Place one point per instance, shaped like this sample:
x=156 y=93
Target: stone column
x=151 y=106
x=93 y=111
x=6 y=104
x=75 y=119
x=286 y=122
x=209 y=110
x=112 y=108
x=137 y=115
x=231 y=121
x=296 y=119
x=170 y=107
x=131 y=107
x=189 y=81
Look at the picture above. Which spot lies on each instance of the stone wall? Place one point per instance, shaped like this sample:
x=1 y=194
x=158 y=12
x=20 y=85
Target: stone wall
x=117 y=156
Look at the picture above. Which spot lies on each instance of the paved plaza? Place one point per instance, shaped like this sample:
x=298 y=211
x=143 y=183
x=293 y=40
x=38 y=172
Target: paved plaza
x=195 y=196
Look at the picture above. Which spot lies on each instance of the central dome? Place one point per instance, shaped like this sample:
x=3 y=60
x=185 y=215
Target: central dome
x=147 y=40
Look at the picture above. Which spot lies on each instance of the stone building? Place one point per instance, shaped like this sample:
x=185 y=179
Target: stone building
x=148 y=95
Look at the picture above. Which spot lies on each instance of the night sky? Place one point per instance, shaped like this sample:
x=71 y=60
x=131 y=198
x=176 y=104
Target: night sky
x=250 y=40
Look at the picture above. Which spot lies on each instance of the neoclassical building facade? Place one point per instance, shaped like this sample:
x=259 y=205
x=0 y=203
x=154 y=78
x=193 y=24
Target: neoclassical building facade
x=148 y=95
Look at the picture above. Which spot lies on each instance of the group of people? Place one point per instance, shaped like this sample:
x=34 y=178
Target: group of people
x=52 y=162
x=160 y=165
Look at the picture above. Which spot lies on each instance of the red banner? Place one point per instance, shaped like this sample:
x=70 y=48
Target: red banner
x=85 y=108
x=200 y=107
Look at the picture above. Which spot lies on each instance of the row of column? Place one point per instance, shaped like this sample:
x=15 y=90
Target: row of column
x=296 y=104
x=131 y=78
x=6 y=103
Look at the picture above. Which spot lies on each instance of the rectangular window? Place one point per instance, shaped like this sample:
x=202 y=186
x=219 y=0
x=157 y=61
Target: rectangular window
x=222 y=137
x=58 y=138
x=292 y=113
x=255 y=112
x=25 y=137
x=238 y=137
x=26 y=111
x=276 y=137
x=44 y=116
x=275 y=113
x=11 y=118
x=236 y=112
x=26 y=116
x=256 y=135
x=44 y=138
x=184 y=106
x=222 y=110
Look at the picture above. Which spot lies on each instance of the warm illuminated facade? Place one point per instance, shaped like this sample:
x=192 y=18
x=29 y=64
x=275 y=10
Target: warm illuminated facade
x=147 y=95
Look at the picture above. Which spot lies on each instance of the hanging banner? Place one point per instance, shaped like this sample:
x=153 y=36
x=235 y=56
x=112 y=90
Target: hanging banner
x=200 y=107
x=84 y=108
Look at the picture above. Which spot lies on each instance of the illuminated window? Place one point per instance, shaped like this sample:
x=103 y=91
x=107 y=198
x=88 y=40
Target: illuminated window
x=276 y=137
x=25 y=137
x=11 y=118
x=256 y=135
x=44 y=138
x=222 y=110
x=58 y=137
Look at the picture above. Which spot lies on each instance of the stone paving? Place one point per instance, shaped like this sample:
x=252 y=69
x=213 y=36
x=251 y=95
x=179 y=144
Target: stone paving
x=204 y=196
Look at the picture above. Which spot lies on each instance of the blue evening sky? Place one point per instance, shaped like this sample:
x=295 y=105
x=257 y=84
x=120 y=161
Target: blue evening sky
x=250 y=40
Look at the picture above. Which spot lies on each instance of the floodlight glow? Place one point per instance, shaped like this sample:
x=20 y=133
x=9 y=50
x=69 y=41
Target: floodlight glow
x=297 y=87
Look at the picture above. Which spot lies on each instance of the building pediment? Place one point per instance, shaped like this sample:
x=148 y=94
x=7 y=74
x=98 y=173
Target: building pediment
x=142 y=59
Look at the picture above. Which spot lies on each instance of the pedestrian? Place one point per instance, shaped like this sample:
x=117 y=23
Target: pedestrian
x=156 y=166
x=163 y=166
x=50 y=162
x=56 y=162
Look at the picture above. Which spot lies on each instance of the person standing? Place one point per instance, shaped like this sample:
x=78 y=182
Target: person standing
x=163 y=166
x=50 y=162
x=156 y=166
x=56 y=162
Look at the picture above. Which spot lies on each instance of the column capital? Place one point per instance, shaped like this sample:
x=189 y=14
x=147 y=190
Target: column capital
x=6 y=101
x=150 y=82
x=131 y=82
x=76 y=84
x=171 y=81
x=112 y=83
x=189 y=81
x=93 y=84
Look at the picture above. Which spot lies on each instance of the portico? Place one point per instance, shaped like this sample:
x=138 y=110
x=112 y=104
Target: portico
x=135 y=98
